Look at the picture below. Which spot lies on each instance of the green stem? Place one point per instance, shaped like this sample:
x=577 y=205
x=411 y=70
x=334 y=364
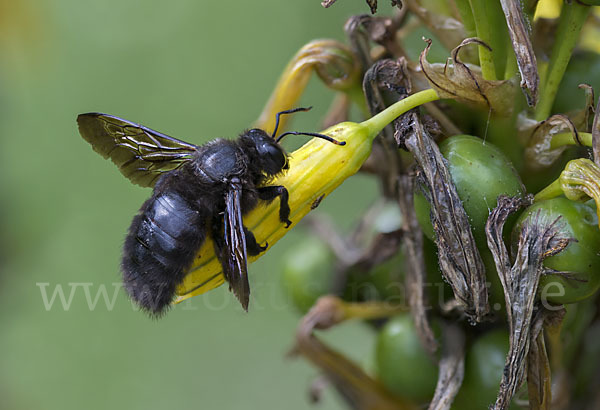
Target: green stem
x=378 y=122
x=551 y=191
x=566 y=138
x=571 y=20
x=491 y=29
x=511 y=62
x=466 y=15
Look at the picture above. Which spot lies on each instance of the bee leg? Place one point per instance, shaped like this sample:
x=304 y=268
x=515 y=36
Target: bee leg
x=251 y=245
x=268 y=193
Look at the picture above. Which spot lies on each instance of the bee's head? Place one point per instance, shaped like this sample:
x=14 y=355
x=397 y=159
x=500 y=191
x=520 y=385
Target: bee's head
x=271 y=157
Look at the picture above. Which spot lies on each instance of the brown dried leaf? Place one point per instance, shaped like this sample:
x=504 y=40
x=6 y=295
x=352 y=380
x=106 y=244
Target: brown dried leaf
x=452 y=368
x=538 y=239
x=523 y=48
x=458 y=255
x=464 y=82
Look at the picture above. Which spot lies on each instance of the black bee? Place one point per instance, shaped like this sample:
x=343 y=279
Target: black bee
x=199 y=191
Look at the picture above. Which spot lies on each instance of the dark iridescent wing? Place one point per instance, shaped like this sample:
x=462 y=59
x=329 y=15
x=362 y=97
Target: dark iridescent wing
x=234 y=257
x=141 y=154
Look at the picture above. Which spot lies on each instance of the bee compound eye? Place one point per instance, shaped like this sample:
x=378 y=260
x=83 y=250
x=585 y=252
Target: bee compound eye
x=273 y=158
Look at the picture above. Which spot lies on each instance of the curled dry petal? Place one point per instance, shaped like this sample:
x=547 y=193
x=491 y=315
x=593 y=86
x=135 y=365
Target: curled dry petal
x=538 y=153
x=581 y=118
x=334 y=63
x=464 y=82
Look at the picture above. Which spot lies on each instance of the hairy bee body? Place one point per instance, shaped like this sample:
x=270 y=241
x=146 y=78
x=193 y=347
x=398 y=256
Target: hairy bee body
x=161 y=244
x=186 y=206
x=198 y=192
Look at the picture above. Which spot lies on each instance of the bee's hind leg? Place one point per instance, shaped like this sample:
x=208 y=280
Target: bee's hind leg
x=268 y=193
x=251 y=245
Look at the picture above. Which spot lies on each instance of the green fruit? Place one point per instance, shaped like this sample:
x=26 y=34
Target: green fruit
x=383 y=282
x=484 y=365
x=580 y=258
x=481 y=173
x=402 y=364
x=307 y=273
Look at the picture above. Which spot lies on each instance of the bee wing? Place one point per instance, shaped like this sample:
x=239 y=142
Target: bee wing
x=234 y=257
x=141 y=154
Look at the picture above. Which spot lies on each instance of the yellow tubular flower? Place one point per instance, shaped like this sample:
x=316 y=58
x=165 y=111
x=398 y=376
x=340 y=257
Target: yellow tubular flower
x=315 y=170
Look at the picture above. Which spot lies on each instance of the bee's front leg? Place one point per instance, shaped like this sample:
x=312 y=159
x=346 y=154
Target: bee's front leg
x=268 y=193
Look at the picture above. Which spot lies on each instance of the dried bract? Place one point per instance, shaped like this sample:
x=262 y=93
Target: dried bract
x=416 y=274
x=523 y=48
x=464 y=82
x=452 y=368
x=539 y=239
x=458 y=255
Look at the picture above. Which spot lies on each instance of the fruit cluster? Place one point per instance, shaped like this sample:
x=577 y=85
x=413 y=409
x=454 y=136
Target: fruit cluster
x=479 y=267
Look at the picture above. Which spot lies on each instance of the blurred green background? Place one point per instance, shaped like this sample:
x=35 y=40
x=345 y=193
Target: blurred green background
x=192 y=69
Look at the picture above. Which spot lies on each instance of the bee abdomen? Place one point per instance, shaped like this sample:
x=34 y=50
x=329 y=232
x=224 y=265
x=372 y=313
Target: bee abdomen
x=162 y=242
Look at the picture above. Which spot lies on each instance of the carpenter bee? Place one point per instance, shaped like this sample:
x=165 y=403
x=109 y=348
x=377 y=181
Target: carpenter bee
x=199 y=191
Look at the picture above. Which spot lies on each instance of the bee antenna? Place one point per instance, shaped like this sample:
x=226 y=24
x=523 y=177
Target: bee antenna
x=293 y=110
x=312 y=134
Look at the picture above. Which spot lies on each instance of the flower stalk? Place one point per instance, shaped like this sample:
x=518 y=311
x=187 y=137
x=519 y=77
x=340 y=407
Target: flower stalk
x=571 y=21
